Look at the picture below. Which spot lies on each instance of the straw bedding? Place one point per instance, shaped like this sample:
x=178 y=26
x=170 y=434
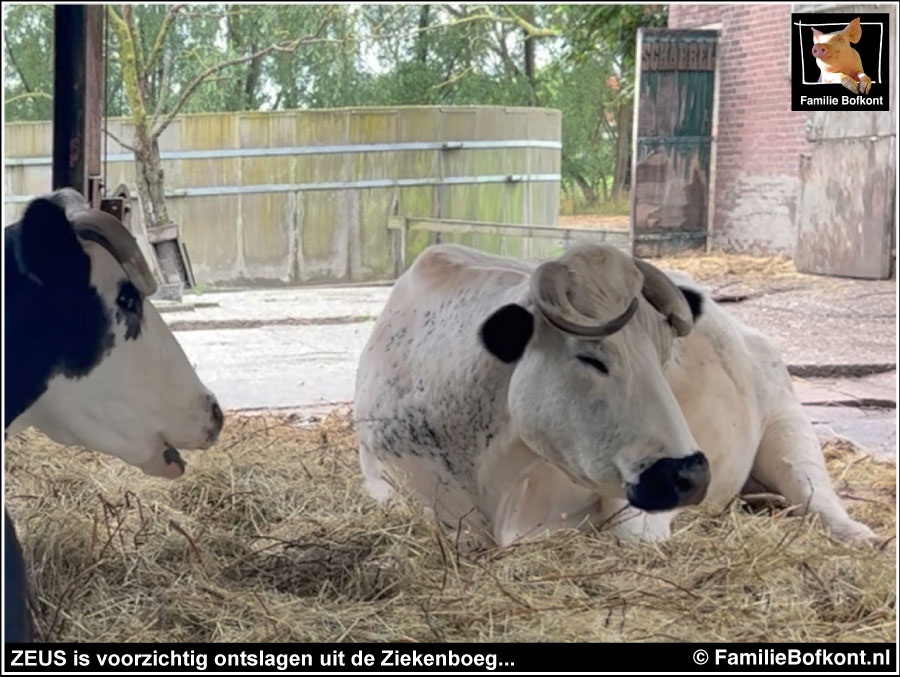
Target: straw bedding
x=271 y=537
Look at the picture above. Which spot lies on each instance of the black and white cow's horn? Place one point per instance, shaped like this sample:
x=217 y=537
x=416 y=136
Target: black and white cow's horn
x=667 y=298
x=550 y=284
x=106 y=229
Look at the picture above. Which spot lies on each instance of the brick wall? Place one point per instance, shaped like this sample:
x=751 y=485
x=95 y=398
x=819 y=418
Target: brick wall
x=759 y=138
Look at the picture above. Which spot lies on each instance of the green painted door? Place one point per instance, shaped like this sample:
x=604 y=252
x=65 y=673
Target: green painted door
x=673 y=140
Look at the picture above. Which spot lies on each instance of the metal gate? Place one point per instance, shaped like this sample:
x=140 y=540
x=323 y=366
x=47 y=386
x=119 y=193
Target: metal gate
x=673 y=140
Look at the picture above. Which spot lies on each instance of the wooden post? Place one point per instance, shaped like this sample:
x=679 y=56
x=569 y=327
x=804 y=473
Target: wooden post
x=77 y=98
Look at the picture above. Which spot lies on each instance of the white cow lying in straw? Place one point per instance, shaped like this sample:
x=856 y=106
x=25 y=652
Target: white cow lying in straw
x=514 y=397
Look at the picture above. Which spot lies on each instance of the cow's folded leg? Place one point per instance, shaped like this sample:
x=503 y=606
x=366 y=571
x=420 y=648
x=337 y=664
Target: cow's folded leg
x=375 y=477
x=790 y=462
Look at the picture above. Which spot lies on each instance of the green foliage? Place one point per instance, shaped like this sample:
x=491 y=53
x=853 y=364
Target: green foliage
x=572 y=202
x=28 y=73
x=583 y=63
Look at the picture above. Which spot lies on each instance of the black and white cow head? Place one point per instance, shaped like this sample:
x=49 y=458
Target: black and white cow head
x=89 y=360
x=588 y=340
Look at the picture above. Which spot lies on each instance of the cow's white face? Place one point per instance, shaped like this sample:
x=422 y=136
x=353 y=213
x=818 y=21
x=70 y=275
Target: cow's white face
x=600 y=408
x=123 y=385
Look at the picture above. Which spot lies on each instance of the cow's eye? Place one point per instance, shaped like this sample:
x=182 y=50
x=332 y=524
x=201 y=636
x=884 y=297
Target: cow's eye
x=593 y=362
x=127 y=303
x=129 y=300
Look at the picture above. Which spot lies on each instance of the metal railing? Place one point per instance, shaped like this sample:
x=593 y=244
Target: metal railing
x=401 y=226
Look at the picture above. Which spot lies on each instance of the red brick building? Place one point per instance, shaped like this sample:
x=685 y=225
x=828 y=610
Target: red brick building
x=759 y=139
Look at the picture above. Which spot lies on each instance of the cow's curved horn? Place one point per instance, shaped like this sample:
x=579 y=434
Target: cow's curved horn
x=106 y=229
x=549 y=290
x=663 y=295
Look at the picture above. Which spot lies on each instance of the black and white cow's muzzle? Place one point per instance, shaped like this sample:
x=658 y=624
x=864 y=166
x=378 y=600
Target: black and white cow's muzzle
x=671 y=483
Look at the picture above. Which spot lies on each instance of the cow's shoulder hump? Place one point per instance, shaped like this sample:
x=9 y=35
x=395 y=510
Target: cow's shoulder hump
x=451 y=261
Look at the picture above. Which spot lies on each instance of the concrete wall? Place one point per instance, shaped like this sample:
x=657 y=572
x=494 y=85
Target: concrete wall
x=284 y=207
x=759 y=138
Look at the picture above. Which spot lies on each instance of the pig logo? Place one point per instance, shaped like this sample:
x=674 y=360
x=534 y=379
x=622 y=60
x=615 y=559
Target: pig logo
x=838 y=62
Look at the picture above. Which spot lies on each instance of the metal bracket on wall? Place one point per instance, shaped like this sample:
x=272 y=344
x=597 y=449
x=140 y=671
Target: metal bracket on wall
x=171 y=254
x=119 y=205
x=172 y=260
x=95 y=191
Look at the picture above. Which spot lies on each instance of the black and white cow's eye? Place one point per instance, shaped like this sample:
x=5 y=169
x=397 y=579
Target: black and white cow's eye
x=593 y=362
x=129 y=300
x=127 y=303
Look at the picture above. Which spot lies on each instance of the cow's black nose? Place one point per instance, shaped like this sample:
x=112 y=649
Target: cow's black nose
x=670 y=483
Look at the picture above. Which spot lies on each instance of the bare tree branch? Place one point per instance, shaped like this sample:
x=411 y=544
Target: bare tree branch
x=119 y=141
x=140 y=70
x=133 y=89
x=212 y=70
x=530 y=29
x=461 y=18
x=217 y=15
x=501 y=50
x=15 y=64
x=161 y=36
x=452 y=10
x=453 y=79
x=486 y=14
x=377 y=27
x=163 y=86
x=26 y=95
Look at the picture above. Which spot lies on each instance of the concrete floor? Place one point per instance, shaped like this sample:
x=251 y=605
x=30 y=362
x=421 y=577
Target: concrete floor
x=292 y=348
x=298 y=349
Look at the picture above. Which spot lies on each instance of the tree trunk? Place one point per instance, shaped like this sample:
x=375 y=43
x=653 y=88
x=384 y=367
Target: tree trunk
x=528 y=13
x=254 y=71
x=605 y=188
x=151 y=192
x=622 y=174
x=589 y=193
x=235 y=34
x=150 y=179
x=422 y=37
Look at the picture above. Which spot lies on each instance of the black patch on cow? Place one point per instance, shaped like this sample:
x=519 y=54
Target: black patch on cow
x=695 y=301
x=48 y=251
x=54 y=320
x=129 y=309
x=506 y=333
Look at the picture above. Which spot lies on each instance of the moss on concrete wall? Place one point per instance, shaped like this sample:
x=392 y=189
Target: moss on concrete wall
x=286 y=230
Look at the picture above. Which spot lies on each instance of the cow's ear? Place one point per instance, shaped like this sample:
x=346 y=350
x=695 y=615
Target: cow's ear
x=50 y=250
x=506 y=333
